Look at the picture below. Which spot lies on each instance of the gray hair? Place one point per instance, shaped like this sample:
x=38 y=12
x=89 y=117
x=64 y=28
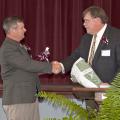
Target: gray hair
x=11 y=22
x=95 y=12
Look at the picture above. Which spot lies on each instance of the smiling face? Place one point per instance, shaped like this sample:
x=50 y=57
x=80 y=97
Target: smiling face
x=92 y=24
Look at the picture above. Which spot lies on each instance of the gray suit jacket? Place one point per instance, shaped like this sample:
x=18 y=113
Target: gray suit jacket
x=105 y=66
x=19 y=73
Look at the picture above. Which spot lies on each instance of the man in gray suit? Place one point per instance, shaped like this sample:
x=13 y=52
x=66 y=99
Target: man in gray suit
x=20 y=74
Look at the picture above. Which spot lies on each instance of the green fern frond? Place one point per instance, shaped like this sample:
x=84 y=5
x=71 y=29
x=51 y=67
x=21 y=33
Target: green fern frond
x=74 y=111
x=110 y=108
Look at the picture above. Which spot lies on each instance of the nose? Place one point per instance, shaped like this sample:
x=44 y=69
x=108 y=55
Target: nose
x=25 y=29
x=84 y=23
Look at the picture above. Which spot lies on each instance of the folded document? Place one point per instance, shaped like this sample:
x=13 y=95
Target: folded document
x=83 y=74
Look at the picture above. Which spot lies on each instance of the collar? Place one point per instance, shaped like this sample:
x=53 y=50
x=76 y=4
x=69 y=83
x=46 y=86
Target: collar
x=101 y=32
x=11 y=41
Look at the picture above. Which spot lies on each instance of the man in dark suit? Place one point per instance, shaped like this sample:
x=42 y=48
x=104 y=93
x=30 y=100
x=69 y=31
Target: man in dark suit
x=20 y=73
x=106 y=61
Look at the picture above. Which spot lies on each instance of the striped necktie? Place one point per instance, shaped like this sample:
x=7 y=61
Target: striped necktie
x=92 y=51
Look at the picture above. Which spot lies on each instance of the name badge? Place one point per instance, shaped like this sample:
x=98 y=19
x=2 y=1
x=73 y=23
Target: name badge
x=105 y=52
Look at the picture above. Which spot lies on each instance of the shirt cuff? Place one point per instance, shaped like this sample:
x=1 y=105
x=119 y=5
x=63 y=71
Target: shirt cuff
x=63 y=69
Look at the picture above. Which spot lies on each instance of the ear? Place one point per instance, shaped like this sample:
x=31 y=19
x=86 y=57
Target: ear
x=12 y=30
x=97 y=19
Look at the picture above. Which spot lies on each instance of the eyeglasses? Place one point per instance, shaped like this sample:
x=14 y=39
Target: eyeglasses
x=88 y=20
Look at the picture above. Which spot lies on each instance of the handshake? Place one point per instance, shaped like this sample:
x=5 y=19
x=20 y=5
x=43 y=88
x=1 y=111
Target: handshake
x=56 y=67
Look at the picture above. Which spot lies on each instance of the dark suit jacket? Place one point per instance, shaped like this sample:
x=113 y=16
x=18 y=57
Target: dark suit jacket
x=106 y=67
x=19 y=73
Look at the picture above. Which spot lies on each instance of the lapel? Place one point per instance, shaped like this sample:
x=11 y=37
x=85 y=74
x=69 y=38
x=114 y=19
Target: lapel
x=85 y=46
x=23 y=50
x=102 y=45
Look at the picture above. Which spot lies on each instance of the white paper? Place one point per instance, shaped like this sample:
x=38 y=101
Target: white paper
x=105 y=53
x=83 y=74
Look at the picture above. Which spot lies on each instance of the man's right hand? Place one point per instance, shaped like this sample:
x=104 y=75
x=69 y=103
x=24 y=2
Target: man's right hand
x=56 y=67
